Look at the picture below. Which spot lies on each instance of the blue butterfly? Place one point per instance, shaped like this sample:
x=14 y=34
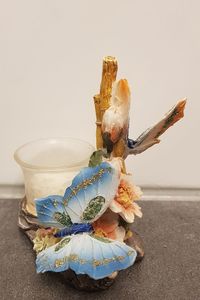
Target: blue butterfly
x=80 y=249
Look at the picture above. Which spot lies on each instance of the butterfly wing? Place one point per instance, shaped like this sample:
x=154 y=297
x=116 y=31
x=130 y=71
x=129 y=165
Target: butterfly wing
x=86 y=254
x=84 y=201
x=51 y=212
x=91 y=192
x=150 y=137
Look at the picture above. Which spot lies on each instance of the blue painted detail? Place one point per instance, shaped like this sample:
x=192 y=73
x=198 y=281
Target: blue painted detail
x=48 y=209
x=74 y=229
x=131 y=143
x=91 y=183
x=84 y=201
x=85 y=254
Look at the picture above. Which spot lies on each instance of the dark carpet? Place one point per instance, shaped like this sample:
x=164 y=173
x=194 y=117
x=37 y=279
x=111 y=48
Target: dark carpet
x=170 y=269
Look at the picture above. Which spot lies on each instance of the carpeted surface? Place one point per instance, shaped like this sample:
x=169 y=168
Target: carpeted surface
x=170 y=269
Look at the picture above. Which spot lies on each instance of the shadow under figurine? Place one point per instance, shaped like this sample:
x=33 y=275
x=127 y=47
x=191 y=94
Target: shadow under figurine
x=85 y=235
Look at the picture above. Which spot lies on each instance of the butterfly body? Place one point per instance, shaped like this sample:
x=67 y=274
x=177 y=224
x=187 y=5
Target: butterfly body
x=74 y=229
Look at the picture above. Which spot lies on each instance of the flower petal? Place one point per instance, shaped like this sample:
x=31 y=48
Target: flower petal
x=137 y=192
x=137 y=210
x=120 y=233
x=115 y=206
x=128 y=216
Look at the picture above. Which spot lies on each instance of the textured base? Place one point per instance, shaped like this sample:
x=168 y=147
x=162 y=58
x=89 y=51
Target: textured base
x=29 y=225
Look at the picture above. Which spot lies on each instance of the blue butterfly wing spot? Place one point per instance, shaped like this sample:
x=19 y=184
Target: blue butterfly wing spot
x=86 y=254
x=91 y=192
x=51 y=212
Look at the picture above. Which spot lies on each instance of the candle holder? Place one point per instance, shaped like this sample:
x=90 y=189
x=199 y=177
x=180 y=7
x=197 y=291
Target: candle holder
x=80 y=203
x=49 y=165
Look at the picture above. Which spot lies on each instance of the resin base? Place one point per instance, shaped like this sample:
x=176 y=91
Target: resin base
x=29 y=225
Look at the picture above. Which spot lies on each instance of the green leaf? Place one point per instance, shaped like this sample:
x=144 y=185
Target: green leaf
x=96 y=158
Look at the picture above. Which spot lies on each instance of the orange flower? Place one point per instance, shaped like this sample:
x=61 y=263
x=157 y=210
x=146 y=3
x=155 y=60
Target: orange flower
x=107 y=226
x=123 y=202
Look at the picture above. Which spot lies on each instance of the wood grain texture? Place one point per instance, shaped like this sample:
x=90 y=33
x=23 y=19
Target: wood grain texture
x=102 y=100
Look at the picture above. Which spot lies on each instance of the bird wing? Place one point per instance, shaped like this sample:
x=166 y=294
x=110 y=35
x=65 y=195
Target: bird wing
x=151 y=136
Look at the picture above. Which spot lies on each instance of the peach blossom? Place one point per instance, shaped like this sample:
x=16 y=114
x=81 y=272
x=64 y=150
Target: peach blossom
x=123 y=202
x=107 y=226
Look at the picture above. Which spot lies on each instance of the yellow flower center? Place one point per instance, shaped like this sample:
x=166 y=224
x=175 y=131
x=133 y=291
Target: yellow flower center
x=124 y=196
x=99 y=232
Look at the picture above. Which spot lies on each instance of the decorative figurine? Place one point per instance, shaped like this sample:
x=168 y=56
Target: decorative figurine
x=86 y=234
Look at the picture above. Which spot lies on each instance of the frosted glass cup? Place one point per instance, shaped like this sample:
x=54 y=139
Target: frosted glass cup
x=49 y=166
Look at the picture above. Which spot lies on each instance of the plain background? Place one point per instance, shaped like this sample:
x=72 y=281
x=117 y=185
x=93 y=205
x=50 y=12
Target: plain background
x=50 y=67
